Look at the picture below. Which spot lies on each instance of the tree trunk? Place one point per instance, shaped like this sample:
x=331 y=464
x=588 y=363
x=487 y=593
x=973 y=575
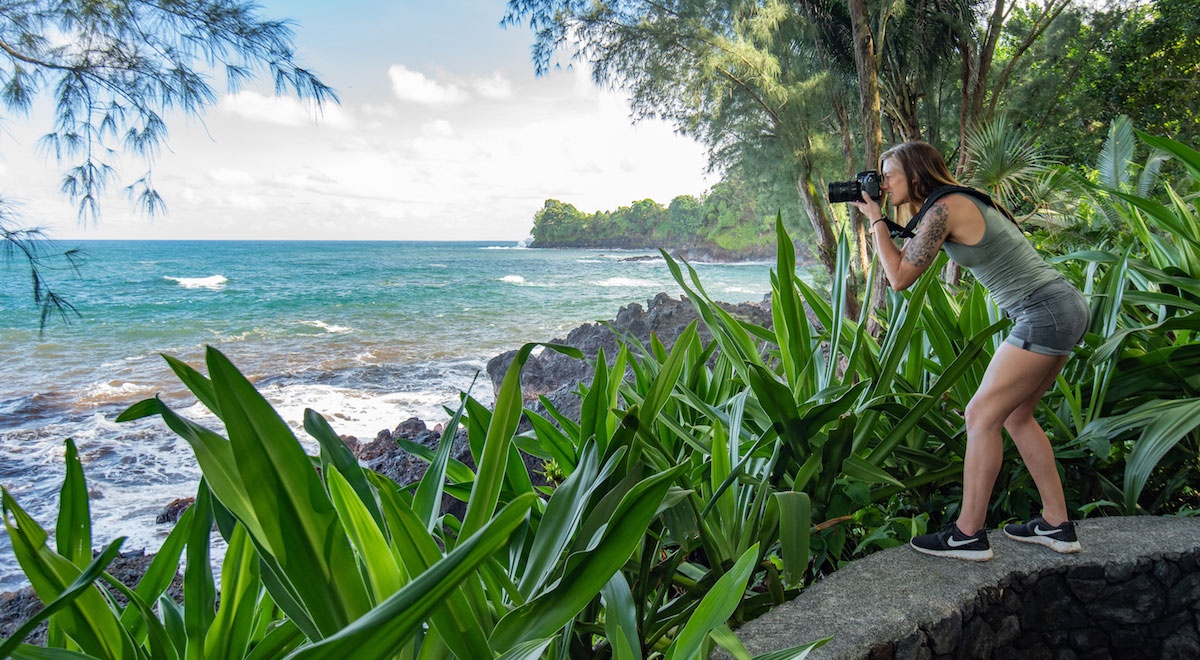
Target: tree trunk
x=977 y=57
x=867 y=66
x=826 y=242
x=868 y=80
x=857 y=221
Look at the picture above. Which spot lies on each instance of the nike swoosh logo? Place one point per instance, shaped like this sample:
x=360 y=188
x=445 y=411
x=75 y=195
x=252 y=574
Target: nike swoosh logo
x=1037 y=529
x=958 y=544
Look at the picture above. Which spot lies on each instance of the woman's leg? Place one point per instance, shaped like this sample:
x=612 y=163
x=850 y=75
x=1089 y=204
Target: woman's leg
x=1014 y=379
x=1037 y=453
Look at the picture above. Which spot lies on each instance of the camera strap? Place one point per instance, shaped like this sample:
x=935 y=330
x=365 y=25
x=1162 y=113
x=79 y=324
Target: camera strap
x=908 y=231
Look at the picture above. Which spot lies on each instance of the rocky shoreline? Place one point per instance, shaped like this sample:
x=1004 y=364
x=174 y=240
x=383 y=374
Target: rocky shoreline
x=548 y=374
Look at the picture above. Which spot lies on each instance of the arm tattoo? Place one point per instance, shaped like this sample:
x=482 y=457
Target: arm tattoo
x=921 y=250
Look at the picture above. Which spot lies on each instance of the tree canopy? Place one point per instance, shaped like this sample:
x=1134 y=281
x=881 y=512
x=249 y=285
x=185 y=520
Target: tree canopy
x=810 y=87
x=736 y=218
x=111 y=71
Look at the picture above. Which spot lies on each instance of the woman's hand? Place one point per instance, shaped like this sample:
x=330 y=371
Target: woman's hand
x=869 y=208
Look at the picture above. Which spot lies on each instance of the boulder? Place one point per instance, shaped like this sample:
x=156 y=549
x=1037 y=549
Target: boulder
x=555 y=375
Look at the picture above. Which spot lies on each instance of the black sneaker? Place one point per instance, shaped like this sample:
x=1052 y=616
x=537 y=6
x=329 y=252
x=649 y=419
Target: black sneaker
x=949 y=541
x=1059 y=539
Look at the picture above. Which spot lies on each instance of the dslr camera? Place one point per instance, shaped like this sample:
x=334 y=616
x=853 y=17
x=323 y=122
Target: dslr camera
x=851 y=191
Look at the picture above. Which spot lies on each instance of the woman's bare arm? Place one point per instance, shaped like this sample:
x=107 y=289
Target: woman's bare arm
x=904 y=265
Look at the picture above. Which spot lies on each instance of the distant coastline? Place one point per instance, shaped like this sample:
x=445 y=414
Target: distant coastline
x=697 y=253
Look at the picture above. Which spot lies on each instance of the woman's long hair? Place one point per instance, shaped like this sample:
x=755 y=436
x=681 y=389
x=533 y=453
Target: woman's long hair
x=926 y=171
x=924 y=167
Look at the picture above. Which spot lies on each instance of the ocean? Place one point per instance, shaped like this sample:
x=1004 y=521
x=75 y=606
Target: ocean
x=367 y=333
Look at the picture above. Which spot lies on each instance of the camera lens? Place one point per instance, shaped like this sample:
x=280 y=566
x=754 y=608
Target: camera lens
x=845 y=191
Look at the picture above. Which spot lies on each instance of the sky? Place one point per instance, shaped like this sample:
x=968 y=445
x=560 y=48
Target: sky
x=443 y=133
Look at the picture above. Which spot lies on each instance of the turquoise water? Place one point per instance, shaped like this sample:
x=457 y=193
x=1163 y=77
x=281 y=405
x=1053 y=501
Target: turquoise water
x=368 y=333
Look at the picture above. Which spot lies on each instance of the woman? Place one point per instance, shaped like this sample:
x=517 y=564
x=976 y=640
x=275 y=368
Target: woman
x=1050 y=318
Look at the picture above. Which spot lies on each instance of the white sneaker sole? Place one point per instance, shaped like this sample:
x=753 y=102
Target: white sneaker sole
x=969 y=555
x=1064 y=547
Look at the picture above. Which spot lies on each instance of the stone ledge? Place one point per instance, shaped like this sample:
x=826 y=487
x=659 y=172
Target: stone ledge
x=892 y=603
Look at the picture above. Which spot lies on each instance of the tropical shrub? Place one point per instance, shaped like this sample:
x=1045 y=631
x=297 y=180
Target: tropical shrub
x=326 y=559
x=1134 y=404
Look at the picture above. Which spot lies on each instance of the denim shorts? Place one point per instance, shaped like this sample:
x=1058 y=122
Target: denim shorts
x=1052 y=320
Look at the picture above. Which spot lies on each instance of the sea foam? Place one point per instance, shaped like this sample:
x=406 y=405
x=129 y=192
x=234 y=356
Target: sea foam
x=213 y=282
x=328 y=327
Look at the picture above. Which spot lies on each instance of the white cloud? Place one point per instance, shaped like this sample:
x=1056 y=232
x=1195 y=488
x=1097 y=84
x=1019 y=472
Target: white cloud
x=379 y=110
x=438 y=128
x=414 y=87
x=495 y=86
x=304 y=181
x=242 y=202
x=284 y=111
x=226 y=177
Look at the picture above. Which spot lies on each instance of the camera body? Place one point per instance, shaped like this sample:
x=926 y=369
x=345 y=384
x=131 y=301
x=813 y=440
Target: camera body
x=851 y=191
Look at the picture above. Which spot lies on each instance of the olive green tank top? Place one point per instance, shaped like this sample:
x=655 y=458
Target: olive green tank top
x=1003 y=261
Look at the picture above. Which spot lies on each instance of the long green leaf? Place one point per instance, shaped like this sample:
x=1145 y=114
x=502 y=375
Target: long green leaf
x=776 y=399
x=620 y=619
x=1169 y=424
x=563 y=514
x=197 y=382
x=792 y=332
x=715 y=608
x=667 y=378
x=86 y=618
x=463 y=622
x=856 y=467
x=795 y=522
x=296 y=517
x=201 y=592
x=795 y=653
x=383 y=573
x=161 y=572
x=493 y=463
x=531 y=650
x=377 y=635
x=735 y=342
x=456 y=471
x=586 y=573
x=427 y=502
x=217 y=463
x=281 y=639
x=553 y=442
x=82 y=584
x=157 y=643
x=30 y=652
x=1186 y=155
x=335 y=452
x=593 y=411
x=73 y=533
x=229 y=635
x=725 y=639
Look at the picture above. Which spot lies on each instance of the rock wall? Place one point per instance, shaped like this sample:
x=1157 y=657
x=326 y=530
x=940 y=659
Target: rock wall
x=1146 y=609
x=1134 y=592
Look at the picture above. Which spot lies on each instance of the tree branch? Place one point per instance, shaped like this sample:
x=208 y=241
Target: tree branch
x=1040 y=26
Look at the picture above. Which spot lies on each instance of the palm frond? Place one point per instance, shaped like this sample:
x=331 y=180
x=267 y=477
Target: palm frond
x=1006 y=162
